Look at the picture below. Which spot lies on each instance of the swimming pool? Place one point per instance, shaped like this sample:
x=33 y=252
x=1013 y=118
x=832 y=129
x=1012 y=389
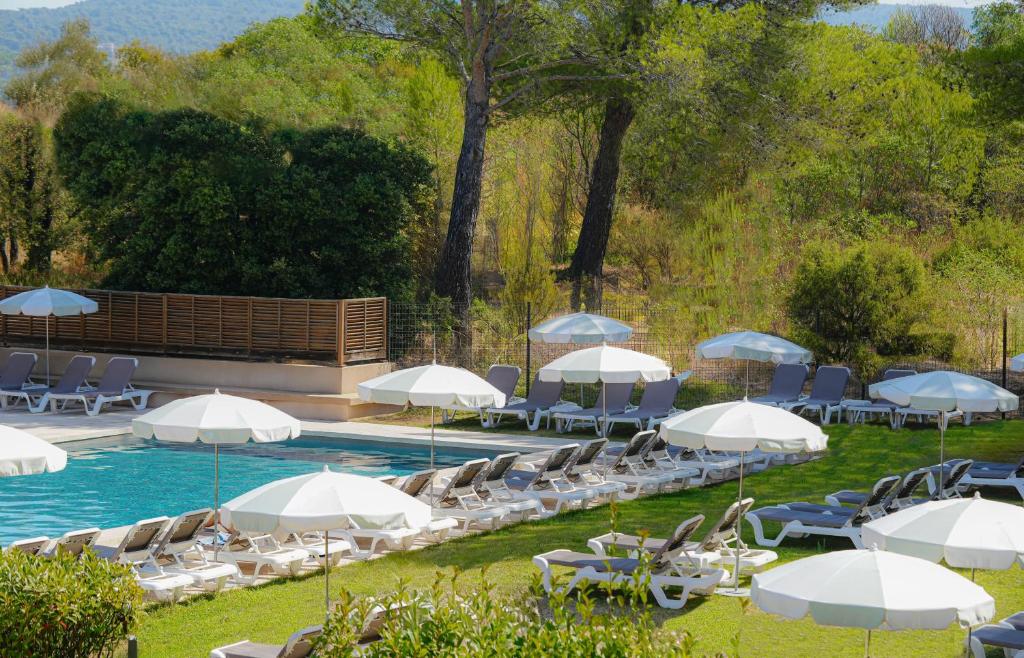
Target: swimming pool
x=114 y=482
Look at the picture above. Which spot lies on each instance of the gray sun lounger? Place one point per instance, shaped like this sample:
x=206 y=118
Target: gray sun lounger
x=787 y=384
x=74 y=380
x=114 y=386
x=901 y=498
x=996 y=474
x=812 y=519
x=613 y=400
x=504 y=378
x=460 y=500
x=299 y=645
x=1007 y=635
x=954 y=472
x=492 y=488
x=656 y=404
x=550 y=482
x=665 y=570
x=16 y=374
x=827 y=393
x=859 y=410
x=543 y=396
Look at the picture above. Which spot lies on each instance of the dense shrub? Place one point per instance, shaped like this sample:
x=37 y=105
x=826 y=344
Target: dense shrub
x=457 y=619
x=189 y=202
x=63 y=607
x=850 y=305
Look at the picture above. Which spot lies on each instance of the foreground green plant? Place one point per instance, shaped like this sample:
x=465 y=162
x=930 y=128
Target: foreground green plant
x=453 y=619
x=65 y=607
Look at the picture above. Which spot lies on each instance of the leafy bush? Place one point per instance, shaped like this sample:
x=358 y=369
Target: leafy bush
x=455 y=620
x=186 y=201
x=849 y=305
x=63 y=607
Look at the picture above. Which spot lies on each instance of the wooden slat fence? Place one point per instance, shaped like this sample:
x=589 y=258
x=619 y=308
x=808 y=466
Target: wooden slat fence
x=341 y=331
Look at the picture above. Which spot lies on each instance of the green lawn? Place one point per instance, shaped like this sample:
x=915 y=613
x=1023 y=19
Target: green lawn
x=857 y=457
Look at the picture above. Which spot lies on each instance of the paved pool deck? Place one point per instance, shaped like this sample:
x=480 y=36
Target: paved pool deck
x=77 y=426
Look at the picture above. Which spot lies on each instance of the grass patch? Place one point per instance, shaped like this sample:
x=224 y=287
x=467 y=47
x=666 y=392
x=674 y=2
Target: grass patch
x=858 y=456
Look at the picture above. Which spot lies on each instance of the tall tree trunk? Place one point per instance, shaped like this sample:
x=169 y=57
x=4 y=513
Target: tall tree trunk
x=452 y=277
x=587 y=265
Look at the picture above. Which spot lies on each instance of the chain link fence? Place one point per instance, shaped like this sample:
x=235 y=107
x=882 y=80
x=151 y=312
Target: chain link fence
x=419 y=333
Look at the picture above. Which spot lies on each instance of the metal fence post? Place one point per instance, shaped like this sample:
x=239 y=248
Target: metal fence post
x=529 y=323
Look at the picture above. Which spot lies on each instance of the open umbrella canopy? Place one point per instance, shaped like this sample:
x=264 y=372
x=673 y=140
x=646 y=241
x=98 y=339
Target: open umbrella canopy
x=753 y=346
x=324 y=501
x=47 y=301
x=871 y=589
x=1017 y=363
x=743 y=426
x=611 y=365
x=970 y=533
x=217 y=418
x=431 y=386
x=24 y=454
x=944 y=390
x=581 y=328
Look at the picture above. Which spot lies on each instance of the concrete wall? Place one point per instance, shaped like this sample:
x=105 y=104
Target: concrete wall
x=305 y=390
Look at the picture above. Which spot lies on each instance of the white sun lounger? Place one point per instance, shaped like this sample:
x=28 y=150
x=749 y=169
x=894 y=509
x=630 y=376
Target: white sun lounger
x=800 y=520
x=827 y=393
x=263 y=553
x=583 y=472
x=628 y=466
x=33 y=546
x=617 y=397
x=136 y=550
x=659 y=459
x=460 y=501
x=395 y=539
x=709 y=467
x=15 y=378
x=544 y=399
x=1007 y=635
x=502 y=377
x=74 y=541
x=114 y=386
x=299 y=645
x=550 y=484
x=996 y=474
x=666 y=571
x=493 y=488
x=178 y=552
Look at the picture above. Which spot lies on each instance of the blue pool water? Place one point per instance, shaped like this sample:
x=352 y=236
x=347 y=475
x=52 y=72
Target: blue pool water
x=116 y=482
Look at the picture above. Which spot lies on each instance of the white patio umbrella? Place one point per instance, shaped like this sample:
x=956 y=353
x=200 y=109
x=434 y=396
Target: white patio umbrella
x=753 y=346
x=1017 y=363
x=741 y=427
x=871 y=589
x=581 y=328
x=24 y=454
x=608 y=365
x=322 y=502
x=44 y=302
x=431 y=386
x=945 y=391
x=217 y=419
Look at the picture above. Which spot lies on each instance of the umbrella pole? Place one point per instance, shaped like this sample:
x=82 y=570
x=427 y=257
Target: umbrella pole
x=942 y=452
x=739 y=525
x=216 y=500
x=604 y=410
x=867 y=645
x=327 y=575
x=431 y=451
x=970 y=629
x=746 y=384
x=47 y=350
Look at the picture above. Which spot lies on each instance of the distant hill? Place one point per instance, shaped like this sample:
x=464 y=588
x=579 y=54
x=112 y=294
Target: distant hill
x=180 y=26
x=877 y=16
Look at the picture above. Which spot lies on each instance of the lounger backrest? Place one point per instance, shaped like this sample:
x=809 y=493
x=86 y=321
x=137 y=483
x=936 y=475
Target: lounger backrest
x=910 y=483
x=76 y=374
x=555 y=465
x=788 y=380
x=660 y=396
x=17 y=369
x=504 y=378
x=76 y=541
x=545 y=394
x=895 y=373
x=956 y=473
x=682 y=534
x=30 y=546
x=118 y=375
x=300 y=644
x=725 y=528
x=633 y=450
x=139 y=541
x=183 y=531
x=499 y=467
x=589 y=452
x=462 y=479
x=416 y=482
x=879 y=493
x=830 y=383
x=617 y=395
